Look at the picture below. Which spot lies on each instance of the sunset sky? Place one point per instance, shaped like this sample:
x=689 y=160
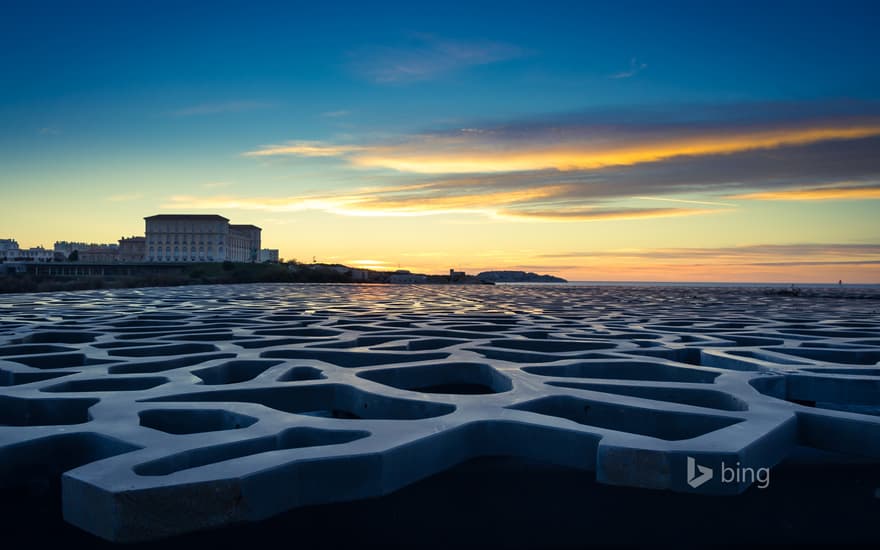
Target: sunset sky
x=699 y=141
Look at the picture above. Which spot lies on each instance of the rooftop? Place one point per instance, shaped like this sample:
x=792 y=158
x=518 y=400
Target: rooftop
x=186 y=217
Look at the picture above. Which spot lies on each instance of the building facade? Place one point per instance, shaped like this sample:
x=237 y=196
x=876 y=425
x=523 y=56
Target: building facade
x=269 y=255
x=33 y=254
x=244 y=243
x=67 y=248
x=99 y=254
x=199 y=238
x=132 y=249
x=7 y=244
x=402 y=276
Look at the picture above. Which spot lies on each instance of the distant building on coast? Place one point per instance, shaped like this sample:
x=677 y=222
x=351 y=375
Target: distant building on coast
x=360 y=275
x=402 y=276
x=199 y=238
x=456 y=276
x=7 y=244
x=244 y=243
x=66 y=248
x=10 y=251
x=269 y=255
x=99 y=254
x=168 y=238
x=132 y=249
x=96 y=253
x=33 y=254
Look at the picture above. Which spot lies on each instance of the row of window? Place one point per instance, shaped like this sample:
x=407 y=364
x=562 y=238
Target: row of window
x=185 y=228
x=177 y=249
x=180 y=259
x=175 y=241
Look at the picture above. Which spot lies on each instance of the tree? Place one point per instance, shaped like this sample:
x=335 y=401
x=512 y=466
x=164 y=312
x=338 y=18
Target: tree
x=74 y=256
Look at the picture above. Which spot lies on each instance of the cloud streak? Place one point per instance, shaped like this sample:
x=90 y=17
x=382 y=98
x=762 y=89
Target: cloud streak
x=584 y=214
x=635 y=67
x=427 y=57
x=585 y=170
x=542 y=204
x=758 y=254
x=304 y=149
x=221 y=107
x=584 y=144
x=841 y=192
x=470 y=153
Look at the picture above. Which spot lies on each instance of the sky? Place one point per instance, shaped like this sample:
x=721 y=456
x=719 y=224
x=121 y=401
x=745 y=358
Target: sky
x=642 y=141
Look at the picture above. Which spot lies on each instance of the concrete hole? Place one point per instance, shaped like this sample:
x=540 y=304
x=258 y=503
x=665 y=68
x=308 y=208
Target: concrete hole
x=191 y=421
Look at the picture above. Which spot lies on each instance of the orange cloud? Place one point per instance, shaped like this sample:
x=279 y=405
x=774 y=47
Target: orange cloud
x=484 y=152
x=594 y=154
x=547 y=203
x=815 y=194
x=304 y=149
x=595 y=214
x=804 y=262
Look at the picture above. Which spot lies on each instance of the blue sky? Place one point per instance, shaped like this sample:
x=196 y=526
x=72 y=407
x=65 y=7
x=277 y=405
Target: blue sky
x=124 y=109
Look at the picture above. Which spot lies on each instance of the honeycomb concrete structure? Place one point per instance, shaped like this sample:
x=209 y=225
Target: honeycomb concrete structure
x=167 y=411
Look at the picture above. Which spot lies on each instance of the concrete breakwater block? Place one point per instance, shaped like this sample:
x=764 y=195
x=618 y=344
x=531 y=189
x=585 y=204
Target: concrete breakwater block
x=167 y=411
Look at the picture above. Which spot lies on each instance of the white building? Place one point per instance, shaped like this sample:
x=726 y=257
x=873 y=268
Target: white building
x=132 y=249
x=244 y=243
x=7 y=244
x=67 y=248
x=199 y=238
x=269 y=255
x=33 y=254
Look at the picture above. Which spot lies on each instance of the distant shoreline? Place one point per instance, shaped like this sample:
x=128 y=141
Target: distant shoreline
x=72 y=276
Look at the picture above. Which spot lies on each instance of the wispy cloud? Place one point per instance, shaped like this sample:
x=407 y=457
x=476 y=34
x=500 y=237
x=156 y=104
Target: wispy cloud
x=635 y=67
x=538 y=204
x=600 y=213
x=684 y=201
x=336 y=114
x=426 y=57
x=757 y=254
x=48 y=131
x=216 y=184
x=816 y=263
x=582 y=170
x=304 y=149
x=581 y=145
x=222 y=107
x=837 y=192
x=593 y=150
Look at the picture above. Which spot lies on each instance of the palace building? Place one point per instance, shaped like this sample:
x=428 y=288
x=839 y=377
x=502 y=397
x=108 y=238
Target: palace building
x=199 y=238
